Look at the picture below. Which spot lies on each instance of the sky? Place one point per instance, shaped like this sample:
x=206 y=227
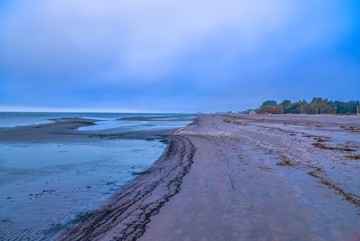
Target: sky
x=176 y=56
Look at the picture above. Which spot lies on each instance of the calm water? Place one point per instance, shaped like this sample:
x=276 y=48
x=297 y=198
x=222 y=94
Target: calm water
x=46 y=187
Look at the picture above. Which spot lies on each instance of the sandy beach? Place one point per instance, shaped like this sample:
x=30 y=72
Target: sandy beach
x=242 y=177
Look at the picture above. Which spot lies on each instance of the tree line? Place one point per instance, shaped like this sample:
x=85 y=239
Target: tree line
x=316 y=106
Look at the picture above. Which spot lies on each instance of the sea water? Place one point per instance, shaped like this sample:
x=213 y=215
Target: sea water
x=47 y=187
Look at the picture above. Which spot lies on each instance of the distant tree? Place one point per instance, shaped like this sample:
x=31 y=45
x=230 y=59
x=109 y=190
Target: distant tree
x=285 y=103
x=315 y=100
x=295 y=108
x=346 y=108
x=269 y=103
x=317 y=105
x=278 y=109
x=265 y=109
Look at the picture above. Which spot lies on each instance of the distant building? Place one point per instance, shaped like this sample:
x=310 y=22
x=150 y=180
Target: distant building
x=248 y=112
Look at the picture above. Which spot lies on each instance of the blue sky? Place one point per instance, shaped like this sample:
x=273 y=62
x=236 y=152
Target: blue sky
x=157 y=55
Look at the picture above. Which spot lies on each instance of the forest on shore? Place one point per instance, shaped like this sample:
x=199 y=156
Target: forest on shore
x=316 y=106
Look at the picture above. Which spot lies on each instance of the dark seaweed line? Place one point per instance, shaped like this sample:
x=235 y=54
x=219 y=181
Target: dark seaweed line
x=127 y=215
x=352 y=198
x=132 y=232
x=347 y=196
x=174 y=187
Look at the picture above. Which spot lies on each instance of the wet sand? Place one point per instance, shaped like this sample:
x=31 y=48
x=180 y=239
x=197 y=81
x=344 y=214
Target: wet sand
x=242 y=177
x=65 y=129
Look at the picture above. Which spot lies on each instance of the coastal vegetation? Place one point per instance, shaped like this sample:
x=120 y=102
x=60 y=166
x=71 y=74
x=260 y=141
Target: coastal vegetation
x=316 y=106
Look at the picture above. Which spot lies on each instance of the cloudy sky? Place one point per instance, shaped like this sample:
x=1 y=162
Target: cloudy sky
x=172 y=55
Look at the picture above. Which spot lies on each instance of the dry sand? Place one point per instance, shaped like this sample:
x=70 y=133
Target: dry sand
x=241 y=177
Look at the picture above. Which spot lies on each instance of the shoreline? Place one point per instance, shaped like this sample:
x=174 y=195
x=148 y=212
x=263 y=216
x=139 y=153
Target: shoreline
x=62 y=133
x=239 y=177
x=126 y=215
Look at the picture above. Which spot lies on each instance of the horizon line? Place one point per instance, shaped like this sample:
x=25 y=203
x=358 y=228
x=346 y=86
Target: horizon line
x=81 y=110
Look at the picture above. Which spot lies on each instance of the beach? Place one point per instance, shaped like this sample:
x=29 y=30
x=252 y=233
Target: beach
x=227 y=177
x=57 y=168
x=242 y=177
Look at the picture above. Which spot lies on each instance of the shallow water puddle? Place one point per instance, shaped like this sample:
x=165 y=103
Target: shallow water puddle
x=46 y=187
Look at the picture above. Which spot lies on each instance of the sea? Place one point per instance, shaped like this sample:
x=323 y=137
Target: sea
x=46 y=187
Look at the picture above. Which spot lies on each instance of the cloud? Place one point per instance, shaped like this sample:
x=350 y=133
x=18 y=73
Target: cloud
x=134 y=38
x=149 y=48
